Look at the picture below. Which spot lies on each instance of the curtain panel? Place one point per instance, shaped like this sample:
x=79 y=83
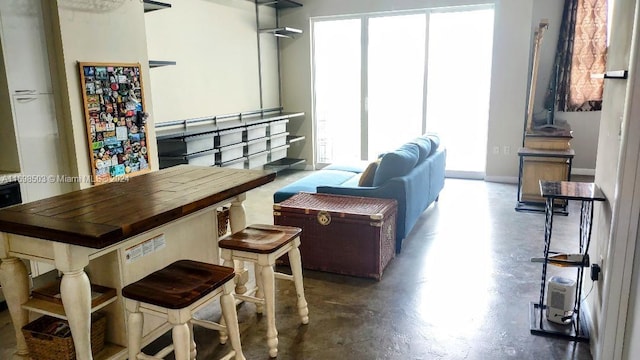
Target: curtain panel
x=581 y=51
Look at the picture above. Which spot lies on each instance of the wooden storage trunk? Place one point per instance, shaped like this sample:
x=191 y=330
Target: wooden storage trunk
x=347 y=235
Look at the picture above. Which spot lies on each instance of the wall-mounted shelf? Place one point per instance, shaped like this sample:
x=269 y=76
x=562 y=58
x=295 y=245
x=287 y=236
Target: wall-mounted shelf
x=179 y=128
x=159 y=63
x=226 y=138
x=279 y=4
x=283 y=164
x=150 y=5
x=294 y=138
x=613 y=74
x=285 y=32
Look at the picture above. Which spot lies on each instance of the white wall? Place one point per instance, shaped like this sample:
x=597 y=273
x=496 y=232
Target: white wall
x=509 y=81
x=514 y=21
x=585 y=127
x=214 y=43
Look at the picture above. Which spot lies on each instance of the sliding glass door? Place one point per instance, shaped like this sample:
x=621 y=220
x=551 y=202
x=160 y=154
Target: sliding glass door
x=459 y=80
x=337 y=89
x=395 y=81
x=381 y=80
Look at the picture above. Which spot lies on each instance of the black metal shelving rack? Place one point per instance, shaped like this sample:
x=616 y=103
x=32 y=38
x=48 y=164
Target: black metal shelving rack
x=586 y=193
x=279 y=32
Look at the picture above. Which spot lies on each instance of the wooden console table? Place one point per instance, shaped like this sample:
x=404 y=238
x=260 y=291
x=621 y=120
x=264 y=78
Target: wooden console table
x=115 y=234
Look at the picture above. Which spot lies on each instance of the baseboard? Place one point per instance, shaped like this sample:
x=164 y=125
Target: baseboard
x=470 y=175
x=588 y=172
x=502 y=179
x=593 y=341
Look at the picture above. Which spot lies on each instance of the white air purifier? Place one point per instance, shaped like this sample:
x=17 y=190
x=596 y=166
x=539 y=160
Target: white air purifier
x=561 y=294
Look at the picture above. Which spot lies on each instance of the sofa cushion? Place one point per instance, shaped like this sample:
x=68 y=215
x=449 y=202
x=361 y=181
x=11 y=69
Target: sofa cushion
x=424 y=147
x=369 y=173
x=353 y=182
x=354 y=166
x=396 y=163
x=435 y=141
x=311 y=182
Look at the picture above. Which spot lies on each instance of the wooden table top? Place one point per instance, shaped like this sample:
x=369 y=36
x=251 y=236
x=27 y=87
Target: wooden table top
x=103 y=215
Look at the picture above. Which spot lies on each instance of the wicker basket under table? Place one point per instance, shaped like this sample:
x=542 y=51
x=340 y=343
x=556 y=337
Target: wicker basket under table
x=44 y=346
x=223 y=220
x=347 y=235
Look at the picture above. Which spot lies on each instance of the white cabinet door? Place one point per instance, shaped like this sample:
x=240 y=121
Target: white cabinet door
x=38 y=144
x=24 y=46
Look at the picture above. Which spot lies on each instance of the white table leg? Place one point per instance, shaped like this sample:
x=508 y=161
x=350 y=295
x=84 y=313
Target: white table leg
x=15 y=287
x=237 y=214
x=238 y=221
x=75 y=291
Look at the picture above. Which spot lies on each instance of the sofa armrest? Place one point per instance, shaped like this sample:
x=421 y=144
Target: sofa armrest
x=392 y=189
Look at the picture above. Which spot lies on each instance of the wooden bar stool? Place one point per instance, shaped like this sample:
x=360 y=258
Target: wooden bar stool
x=175 y=293
x=262 y=245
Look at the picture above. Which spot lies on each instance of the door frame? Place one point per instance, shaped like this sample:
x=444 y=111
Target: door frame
x=623 y=236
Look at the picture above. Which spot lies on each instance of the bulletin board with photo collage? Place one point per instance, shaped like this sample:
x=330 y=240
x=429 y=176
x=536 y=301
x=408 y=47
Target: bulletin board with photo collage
x=113 y=97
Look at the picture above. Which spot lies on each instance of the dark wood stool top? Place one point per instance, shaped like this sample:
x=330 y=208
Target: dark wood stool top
x=179 y=284
x=261 y=239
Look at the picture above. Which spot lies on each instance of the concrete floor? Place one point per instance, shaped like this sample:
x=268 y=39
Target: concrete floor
x=460 y=289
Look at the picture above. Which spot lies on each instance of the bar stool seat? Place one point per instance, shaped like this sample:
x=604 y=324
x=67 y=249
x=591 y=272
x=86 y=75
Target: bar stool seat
x=262 y=245
x=175 y=293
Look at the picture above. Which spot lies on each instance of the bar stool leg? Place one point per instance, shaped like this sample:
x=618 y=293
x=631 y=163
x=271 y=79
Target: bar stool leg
x=296 y=270
x=228 y=306
x=223 y=334
x=192 y=347
x=257 y=269
x=268 y=282
x=181 y=341
x=135 y=323
x=237 y=222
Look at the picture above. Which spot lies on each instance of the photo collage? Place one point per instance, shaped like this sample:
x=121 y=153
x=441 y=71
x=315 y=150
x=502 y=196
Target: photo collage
x=116 y=120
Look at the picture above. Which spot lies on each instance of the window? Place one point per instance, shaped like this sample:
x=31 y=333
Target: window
x=381 y=80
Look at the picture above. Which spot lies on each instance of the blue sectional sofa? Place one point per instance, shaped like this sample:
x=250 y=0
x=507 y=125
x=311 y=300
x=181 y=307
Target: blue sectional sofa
x=413 y=174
